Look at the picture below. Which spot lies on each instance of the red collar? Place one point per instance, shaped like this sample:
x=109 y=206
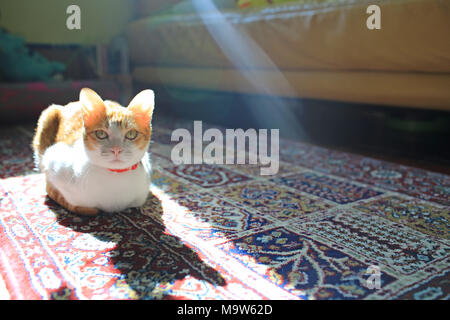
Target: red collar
x=133 y=167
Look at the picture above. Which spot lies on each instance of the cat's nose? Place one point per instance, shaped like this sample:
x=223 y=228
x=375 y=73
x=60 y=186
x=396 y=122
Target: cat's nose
x=116 y=151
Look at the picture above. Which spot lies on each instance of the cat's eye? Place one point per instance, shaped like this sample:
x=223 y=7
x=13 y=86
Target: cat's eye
x=101 y=134
x=131 y=135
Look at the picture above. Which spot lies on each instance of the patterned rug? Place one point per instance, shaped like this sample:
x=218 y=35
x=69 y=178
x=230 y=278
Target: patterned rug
x=327 y=226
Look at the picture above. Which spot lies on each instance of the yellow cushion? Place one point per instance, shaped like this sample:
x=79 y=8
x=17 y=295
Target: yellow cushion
x=261 y=3
x=243 y=4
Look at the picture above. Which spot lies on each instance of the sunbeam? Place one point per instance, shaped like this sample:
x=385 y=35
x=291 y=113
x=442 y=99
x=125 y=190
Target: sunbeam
x=243 y=52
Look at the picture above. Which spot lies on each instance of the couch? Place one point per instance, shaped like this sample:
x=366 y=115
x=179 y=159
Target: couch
x=319 y=49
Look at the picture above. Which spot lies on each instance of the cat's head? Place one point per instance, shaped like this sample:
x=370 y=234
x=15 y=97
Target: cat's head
x=116 y=137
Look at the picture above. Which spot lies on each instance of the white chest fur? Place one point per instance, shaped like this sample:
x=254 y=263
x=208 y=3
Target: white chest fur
x=85 y=184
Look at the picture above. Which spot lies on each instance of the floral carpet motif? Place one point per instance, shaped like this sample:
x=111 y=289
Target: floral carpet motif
x=312 y=231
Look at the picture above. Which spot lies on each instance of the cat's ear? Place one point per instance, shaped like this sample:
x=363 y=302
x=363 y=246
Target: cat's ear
x=93 y=107
x=142 y=107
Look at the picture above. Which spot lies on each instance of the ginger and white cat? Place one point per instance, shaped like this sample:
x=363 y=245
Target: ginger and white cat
x=94 y=152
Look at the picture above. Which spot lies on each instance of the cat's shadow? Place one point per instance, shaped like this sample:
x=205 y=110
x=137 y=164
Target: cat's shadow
x=133 y=248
